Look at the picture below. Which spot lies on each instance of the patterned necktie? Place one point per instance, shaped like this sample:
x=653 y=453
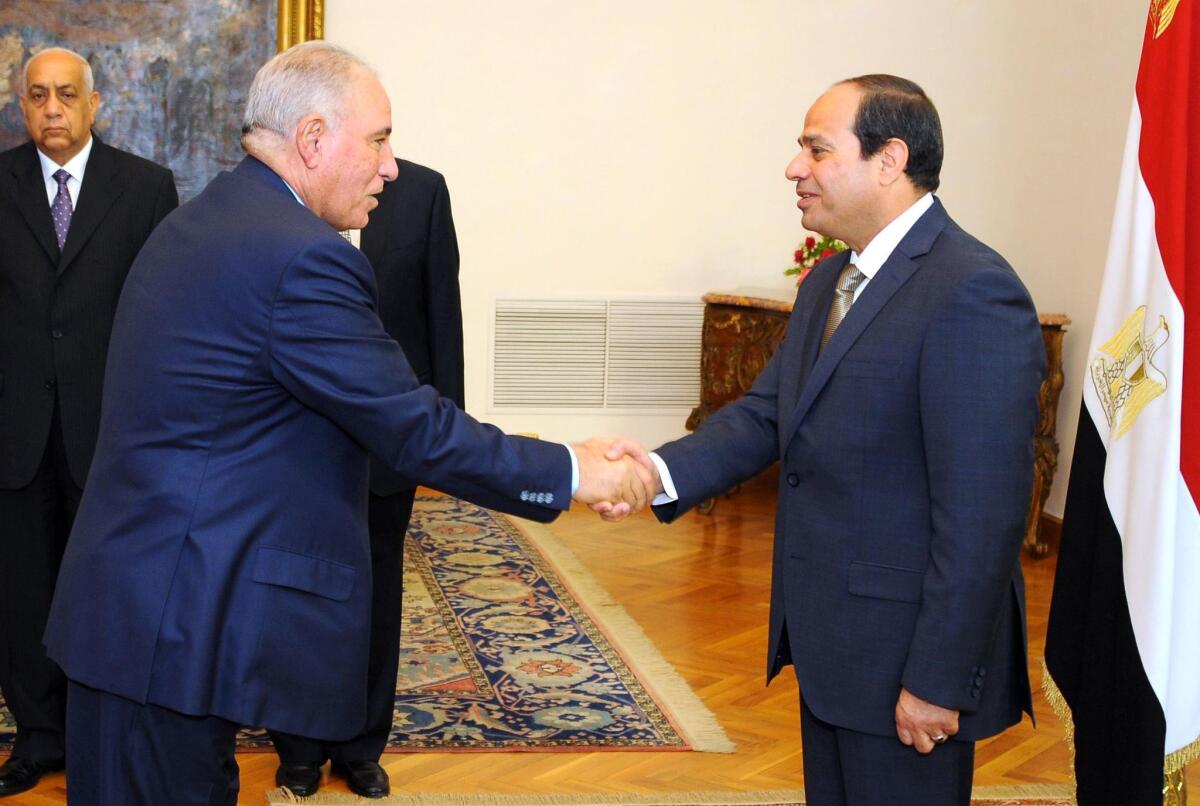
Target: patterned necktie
x=843 y=298
x=61 y=210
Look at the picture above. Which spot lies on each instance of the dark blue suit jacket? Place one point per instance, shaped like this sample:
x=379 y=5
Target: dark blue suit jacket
x=907 y=458
x=220 y=562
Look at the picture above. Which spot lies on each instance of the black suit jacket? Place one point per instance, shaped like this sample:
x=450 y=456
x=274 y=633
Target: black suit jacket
x=56 y=307
x=412 y=247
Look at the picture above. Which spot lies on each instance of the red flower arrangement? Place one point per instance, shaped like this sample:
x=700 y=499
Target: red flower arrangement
x=811 y=252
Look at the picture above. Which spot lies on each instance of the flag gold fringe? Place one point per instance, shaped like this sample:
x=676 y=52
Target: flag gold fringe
x=1172 y=762
x=1063 y=711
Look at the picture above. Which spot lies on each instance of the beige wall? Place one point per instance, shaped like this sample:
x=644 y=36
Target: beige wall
x=638 y=146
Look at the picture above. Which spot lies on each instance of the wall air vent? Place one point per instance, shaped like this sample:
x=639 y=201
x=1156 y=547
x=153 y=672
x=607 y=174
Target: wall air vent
x=601 y=354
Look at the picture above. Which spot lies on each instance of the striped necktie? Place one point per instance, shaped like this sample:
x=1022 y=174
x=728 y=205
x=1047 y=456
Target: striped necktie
x=843 y=298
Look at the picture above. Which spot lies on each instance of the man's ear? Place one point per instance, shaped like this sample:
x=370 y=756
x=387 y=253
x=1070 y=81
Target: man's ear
x=893 y=160
x=309 y=133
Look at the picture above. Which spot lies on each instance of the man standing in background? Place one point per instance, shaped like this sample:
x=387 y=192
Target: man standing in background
x=73 y=214
x=412 y=247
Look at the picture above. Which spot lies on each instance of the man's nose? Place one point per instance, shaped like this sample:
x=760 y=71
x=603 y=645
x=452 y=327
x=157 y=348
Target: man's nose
x=387 y=163
x=797 y=168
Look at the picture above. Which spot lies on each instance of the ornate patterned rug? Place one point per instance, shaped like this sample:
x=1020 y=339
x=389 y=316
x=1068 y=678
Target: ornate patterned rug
x=503 y=649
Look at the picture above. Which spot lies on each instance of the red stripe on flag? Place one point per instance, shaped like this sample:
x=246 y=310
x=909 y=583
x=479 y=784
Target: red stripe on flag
x=1168 y=92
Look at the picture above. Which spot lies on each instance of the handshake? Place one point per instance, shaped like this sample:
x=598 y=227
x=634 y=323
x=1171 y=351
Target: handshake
x=617 y=477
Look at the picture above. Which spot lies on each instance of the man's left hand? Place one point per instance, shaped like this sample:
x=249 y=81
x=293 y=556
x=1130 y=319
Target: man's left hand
x=921 y=724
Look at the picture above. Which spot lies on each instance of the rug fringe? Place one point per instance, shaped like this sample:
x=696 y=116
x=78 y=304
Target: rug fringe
x=1023 y=792
x=781 y=797
x=777 y=797
x=698 y=724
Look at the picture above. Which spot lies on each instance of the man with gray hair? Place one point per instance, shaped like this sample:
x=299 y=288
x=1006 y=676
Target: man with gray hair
x=74 y=212
x=219 y=572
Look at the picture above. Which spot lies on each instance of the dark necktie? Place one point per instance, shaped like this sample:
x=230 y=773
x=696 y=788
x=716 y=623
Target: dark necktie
x=61 y=210
x=843 y=298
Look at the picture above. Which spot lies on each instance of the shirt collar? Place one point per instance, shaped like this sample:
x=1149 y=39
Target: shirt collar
x=74 y=166
x=294 y=193
x=876 y=253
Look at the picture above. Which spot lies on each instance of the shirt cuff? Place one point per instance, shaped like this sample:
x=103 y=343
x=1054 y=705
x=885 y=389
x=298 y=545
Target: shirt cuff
x=668 y=495
x=574 y=468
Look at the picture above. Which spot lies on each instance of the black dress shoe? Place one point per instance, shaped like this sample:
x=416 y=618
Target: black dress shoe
x=302 y=777
x=19 y=774
x=366 y=778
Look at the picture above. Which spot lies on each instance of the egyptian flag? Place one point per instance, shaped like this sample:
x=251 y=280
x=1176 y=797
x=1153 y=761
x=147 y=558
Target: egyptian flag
x=1123 y=646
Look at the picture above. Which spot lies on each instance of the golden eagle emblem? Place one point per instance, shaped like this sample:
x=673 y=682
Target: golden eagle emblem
x=1161 y=14
x=1124 y=373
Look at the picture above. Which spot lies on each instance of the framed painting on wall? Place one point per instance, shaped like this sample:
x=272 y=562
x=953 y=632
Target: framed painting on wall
x=172 y=74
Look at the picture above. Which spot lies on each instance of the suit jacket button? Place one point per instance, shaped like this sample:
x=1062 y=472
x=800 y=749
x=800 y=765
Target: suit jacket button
x=58 y=334
x=549 y=498
x=793 y=480
x=524 y=495
x=49 y=384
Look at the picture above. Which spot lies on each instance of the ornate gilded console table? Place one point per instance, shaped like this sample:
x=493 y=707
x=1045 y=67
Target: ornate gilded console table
x=743 y=329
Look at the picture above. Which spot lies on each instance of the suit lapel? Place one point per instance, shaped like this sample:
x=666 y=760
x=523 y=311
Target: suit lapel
x=31 y=200
x=891 y=277
x=102 y=186
x=805 y=327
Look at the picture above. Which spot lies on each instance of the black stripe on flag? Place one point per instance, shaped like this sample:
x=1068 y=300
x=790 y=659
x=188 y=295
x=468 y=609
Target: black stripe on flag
x=1120 y=730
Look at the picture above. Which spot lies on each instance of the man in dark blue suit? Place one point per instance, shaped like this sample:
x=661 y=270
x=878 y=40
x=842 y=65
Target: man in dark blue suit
x=413 y=249
x=219 y=570
x=901 y=406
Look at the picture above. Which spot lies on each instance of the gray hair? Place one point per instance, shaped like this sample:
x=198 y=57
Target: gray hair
x=89 y=81
x=308 y=78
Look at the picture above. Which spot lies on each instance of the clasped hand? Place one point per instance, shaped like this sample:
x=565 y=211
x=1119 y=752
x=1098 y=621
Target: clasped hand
x=922 y=724
x=616 y=477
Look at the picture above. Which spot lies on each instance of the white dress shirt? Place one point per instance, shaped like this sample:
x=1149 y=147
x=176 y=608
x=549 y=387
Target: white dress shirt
x=75 y=167
x=876 y=253
x=869 y=262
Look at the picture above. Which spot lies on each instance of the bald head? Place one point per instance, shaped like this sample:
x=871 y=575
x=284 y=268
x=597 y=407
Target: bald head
x=89 y=82
x=59 y=102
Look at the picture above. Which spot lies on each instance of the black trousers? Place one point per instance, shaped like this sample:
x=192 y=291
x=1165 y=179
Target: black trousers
x=388 y=521
x=124 y=753
x=844 y=767
x=34 y=523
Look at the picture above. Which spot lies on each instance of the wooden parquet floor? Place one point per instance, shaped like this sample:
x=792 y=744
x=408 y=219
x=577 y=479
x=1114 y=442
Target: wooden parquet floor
x=699 y=588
